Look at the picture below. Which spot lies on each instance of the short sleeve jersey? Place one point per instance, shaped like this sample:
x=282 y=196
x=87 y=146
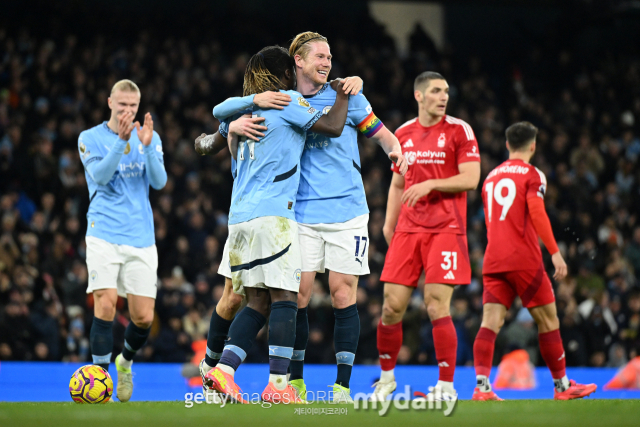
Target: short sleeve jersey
x=331 y=188
x=268 y=171
x=513 y=241
x=435 y=152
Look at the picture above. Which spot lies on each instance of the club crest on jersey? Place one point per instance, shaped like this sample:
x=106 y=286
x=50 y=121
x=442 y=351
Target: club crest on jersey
x=140 y=149
x=326 y=109
x=296 y=275
x=411 y=157
x=441 y=140
x=303 y=102
x=127 y=149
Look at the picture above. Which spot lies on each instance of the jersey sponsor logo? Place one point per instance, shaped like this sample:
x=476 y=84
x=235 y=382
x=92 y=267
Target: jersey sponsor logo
x=449 y=276
x=131 y=170
x=442 y=139
x=474 y=152
x=408 y=144
x=326 y=109
x=127 y=149
x=522 y=170
x=303 y=102
x=425 y=157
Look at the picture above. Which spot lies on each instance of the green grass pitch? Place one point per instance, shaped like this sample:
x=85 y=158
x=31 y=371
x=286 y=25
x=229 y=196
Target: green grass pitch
x=544 y=413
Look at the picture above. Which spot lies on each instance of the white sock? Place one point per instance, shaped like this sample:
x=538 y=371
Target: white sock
x=562 y=384
x=483 y=383
x=278 y=381
x=387 y=376
x=206 y=367
x=226 y=369
x=446 y=386
x=124 y=363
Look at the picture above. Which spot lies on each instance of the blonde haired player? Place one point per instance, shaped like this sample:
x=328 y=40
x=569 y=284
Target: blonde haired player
x=121 y=160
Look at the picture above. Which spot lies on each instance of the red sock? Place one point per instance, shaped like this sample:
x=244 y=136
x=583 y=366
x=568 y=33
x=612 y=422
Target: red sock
x=553 y=353
x=446 y=343
x=389 y=343
x=483 y=351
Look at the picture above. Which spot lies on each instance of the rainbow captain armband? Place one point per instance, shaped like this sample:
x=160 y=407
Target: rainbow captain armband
x=370 y=125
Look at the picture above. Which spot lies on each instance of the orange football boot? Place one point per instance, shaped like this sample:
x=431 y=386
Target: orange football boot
x=483 y=396
x=575 y=391
x=224 y=383
x=286 y=396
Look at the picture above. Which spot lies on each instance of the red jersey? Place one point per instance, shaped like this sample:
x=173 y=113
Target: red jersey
x=435 y=152
x=513 y=241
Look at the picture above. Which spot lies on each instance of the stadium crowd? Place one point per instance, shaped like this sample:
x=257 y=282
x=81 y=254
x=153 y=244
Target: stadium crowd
x=54 y=87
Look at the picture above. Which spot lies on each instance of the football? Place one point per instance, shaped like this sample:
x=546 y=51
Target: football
x=91 y=384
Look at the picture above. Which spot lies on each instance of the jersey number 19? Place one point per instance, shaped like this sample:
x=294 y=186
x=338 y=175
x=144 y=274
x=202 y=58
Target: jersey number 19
x=505 y=201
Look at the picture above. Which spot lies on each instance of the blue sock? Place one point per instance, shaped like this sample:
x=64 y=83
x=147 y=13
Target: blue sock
x=218 y=332
x=134 y=339
x=282 y=335
x=101 y=339
x=345 y=338
x=242 y=334
x=300 y=345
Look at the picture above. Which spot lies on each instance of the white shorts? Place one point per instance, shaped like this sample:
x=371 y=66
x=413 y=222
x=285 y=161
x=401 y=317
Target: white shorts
x=263 y=253
x=342 y=247
x=128 y=269
x=224 y=269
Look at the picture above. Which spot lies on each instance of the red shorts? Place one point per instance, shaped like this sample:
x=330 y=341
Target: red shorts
x=443 y=257
x=532 y=286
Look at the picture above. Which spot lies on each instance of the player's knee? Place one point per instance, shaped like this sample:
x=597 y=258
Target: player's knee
x=105 y=309
x=391 y=314
x=144 y=320
x=233 y=302
x=547 y=323
x=342 y=297
x=493 y=322
x=436 y=309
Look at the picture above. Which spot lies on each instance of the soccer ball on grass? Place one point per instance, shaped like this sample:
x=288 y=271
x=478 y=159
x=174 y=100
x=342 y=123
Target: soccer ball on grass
x=91 y=384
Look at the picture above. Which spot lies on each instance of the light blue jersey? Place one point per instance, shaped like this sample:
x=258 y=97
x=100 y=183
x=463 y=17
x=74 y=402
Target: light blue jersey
x=269 y=170
x=118 y=175
x=331 y=188
x=223 y=130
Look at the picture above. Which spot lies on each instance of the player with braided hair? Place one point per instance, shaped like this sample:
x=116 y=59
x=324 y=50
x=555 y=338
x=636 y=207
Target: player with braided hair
x=263 y=247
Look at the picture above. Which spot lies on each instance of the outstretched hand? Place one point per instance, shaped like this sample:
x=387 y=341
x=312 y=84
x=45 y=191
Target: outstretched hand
x=145 y=134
